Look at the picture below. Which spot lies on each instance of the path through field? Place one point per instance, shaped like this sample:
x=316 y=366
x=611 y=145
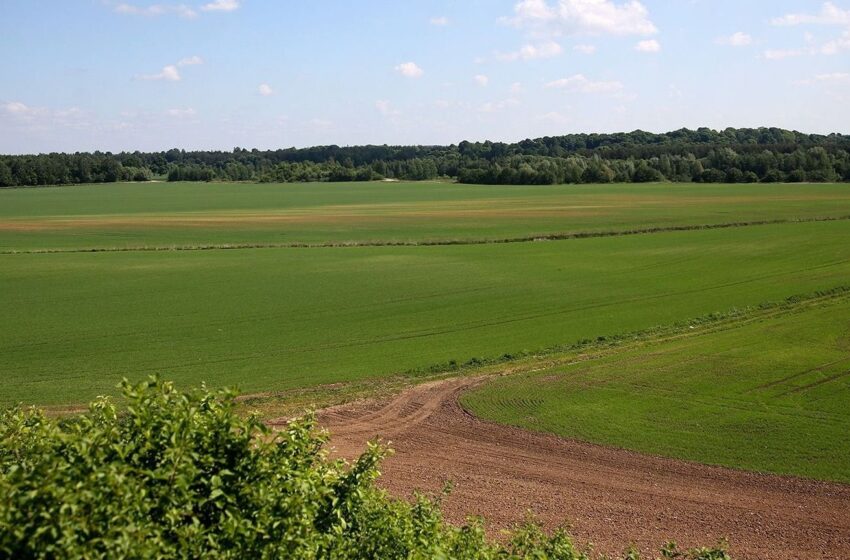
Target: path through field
x=609 y=497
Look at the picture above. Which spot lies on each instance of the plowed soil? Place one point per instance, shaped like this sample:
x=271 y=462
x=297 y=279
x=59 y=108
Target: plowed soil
x=608 y=497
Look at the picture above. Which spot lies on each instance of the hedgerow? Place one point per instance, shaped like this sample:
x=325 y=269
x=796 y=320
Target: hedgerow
x=181 y=474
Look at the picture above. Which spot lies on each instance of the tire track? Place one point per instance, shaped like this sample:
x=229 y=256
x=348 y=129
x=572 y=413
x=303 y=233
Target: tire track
x=610 y=497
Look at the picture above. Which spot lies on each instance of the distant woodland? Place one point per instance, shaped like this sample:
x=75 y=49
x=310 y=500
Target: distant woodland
x=743 y=155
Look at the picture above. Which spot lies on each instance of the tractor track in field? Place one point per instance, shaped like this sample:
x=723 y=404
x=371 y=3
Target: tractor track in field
x=609 y=497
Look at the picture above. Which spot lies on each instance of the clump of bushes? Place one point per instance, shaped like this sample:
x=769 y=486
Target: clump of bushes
x=182 y=475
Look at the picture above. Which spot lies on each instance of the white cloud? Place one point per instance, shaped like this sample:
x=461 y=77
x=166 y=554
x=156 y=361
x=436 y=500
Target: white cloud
x=516 y=88
x=409 y=70
x=20 y=109
x=439 y=20
x=580 y=84
x=155 y=10
x=585 y=49
x=496 y=106
x=648 y=46
x=386 y=109
x=169 y=73
x=181 y=113
x=829 y=48
x=190 y=61
x=833 y=77
x=42 y=119
x=836 y=45
x=221 y=6
x=546 y=49
x=594 y=17
x=481 y=80
x=827 y=79
x=739 y=39
x=829 y=14
x=780 y=54
x=265 y=89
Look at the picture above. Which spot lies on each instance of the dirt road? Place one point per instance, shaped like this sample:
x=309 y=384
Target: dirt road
x=609 y=497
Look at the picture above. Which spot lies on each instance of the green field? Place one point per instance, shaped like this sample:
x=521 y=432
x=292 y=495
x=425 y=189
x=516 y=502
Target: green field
x=768 y=393
x=191 y=214
x=283 y=317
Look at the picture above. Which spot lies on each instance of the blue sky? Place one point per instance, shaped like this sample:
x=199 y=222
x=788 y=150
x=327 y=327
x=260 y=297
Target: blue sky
x=215 y=74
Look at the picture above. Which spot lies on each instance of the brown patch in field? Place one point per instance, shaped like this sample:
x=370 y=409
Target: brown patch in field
x=610 y=497
x=265 y=219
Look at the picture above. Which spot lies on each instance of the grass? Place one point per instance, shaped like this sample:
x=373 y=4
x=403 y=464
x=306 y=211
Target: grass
x=766 y=391
x=202 y=214
x=763 y=389
x=275 y=319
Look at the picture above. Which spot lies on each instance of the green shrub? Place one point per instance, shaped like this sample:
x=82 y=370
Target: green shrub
x=182 y=475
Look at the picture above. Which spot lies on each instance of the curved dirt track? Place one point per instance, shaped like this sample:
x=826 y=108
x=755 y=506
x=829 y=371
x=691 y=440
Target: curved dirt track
x=609 y=497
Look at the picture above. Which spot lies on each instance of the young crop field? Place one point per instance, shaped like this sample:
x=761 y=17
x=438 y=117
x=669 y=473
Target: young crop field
x=121 y=216
x=767 y=392
x=268 y=319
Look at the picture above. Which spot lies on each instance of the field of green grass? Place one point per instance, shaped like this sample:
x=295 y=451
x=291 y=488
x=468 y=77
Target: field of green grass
x=284 y=317
x=270 y=319
x=192 y=214
x=766 y=392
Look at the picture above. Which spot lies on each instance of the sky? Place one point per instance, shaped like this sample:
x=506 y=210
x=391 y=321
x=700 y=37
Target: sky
x=85 y=75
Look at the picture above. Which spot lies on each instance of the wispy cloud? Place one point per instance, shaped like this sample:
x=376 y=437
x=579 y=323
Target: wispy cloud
x=648 y=46
x=409 y=70
x=738 y=39
x=497 y=106
x=155 y=10
x=181 y=113
x=386 y=109
x=190 y=61
x=580 y=84
x=182 y=10
x=832 y=78
x=831 y=47
x=265 y=90
x=439 y=21
x=481 y=80
x=829 y=14
x=221 y=6
x=171 y=73
x=593 y=17
x=17 y=108
x=32 y=118
x=168 y=73
x=547 y=49
x=585 y=49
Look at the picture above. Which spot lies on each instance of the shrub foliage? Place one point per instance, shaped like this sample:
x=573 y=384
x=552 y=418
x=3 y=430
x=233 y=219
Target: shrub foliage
x=182 y=475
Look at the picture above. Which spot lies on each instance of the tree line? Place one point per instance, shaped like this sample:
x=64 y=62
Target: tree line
x=702 y=155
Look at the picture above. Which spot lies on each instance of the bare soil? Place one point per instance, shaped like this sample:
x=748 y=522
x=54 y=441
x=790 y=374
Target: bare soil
x=608 y=497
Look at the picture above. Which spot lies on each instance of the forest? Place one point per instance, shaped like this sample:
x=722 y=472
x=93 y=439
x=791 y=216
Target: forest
x=744 y=155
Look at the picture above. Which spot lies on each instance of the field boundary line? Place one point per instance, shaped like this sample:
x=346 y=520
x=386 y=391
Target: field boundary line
x=431 y=243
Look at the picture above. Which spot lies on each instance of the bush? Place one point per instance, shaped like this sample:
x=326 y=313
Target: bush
x=181 y=475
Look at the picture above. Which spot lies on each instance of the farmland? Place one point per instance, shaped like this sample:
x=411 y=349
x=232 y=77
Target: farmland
x=766 y=392
x=304 y=316
x=161 y=215
x=278 y=318
x=697 y=322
